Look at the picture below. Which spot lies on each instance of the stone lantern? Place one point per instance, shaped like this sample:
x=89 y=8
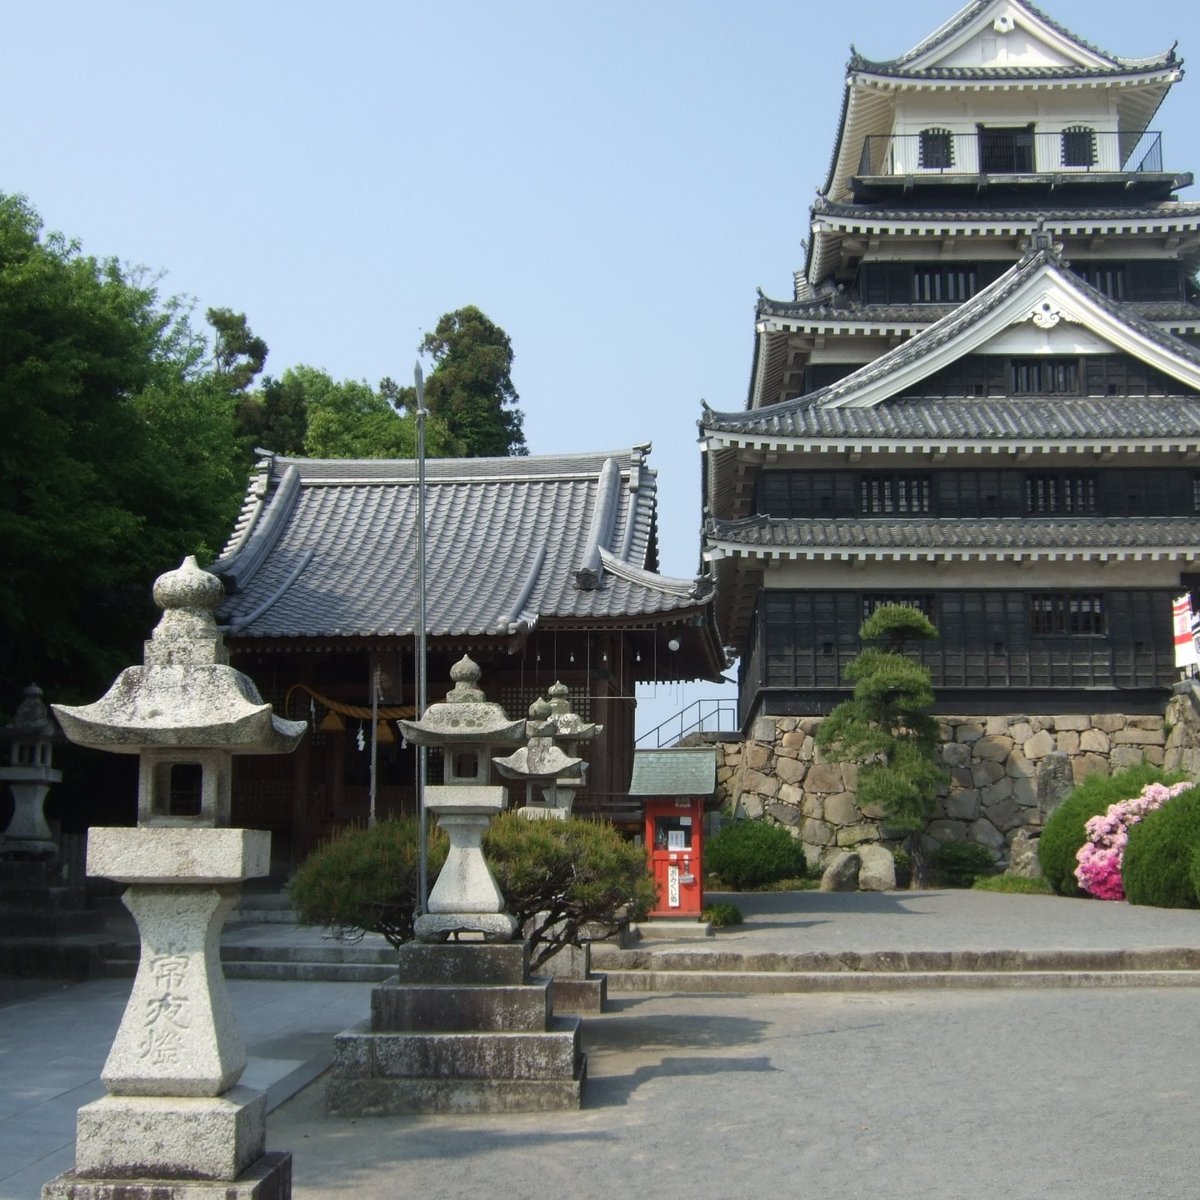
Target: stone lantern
x=175 y=1123
x=541 y=762
x=462 y=1027
x=466 y=727
x=29 y=772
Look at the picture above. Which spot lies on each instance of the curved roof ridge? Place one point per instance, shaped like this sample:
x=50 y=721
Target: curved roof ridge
x=604 y=516
x=684 y=589
x=258 y=539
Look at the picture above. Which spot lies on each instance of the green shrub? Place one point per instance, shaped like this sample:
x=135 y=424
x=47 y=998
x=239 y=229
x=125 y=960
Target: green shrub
x=1194 y=870
x=1064 y=832
x=559 y=877
x=1017 y=884
x=365 y=881
x=722 y=914
x=749 y=854
x=959 y=864
x=1156 y=869
x=556 y=877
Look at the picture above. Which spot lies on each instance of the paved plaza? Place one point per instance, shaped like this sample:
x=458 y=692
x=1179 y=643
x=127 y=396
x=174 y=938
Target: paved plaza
x=1073 y=1092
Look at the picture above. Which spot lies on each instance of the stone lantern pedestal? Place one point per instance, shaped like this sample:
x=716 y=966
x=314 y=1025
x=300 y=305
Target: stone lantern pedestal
x=175 y=1124
x=462 y=1027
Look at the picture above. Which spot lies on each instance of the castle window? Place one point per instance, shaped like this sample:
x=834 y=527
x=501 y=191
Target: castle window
x=1005 y=151
x=1061 y=614
x=895 y=495
x=1079 y=146
x=1043 y=376
x=1060 y=493
x=937 y=149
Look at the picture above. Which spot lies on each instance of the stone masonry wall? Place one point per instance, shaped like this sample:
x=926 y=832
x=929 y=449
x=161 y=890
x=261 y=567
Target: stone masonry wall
x=1007 y=773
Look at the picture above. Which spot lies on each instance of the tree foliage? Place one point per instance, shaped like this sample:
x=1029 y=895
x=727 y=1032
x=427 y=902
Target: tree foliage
x=238 y=353
x=119 y=455
x=887 y=728
x=366 y=880
x=471 y=388
x=560 y=878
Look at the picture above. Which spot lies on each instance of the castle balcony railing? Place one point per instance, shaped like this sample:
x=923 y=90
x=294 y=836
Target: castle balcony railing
x=1077 y=150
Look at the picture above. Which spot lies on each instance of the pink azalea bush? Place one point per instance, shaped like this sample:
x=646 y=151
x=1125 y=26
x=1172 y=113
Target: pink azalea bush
x=1099 y=858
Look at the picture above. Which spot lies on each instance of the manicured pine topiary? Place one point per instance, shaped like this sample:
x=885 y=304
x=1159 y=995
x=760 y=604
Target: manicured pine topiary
x=1065 y=830
x=560 y=877
x=749 y=854
x=887 y=728
x=1156 y=869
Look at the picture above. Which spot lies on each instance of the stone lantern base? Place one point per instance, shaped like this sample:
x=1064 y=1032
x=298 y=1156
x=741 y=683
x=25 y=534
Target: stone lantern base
x=270 y=1178
x=463 y=1028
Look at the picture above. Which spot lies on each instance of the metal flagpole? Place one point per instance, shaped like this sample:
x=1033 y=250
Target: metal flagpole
x=374 y=743
x=422 y=756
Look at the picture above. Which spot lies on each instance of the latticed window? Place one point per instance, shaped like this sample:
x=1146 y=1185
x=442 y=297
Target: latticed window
x=1044 y=376
x=937 y=149
x=1079 y=146
x=1060 y=492
x=904 y=495
x=1067 y=613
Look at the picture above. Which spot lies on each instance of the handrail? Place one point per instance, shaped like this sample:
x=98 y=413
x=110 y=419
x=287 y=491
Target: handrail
x=710 y=716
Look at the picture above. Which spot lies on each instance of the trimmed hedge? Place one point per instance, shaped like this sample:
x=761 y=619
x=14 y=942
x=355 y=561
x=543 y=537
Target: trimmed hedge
x=1156 y=869
x=1064 y=832
x=749 y=854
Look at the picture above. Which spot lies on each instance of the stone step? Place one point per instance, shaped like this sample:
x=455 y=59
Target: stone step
x=554 y=1053
x=323 y=972
x=778 y=982
x=1163 y=958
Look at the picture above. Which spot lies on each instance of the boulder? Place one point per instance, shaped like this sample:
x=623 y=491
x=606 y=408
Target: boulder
x=1023 y=856
x=842 y=873
x=877 y=872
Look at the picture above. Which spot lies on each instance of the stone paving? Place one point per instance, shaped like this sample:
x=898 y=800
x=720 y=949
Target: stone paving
x=1055 y=1092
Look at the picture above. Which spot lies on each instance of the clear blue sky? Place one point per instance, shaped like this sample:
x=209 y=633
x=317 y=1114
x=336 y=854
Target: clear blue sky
x=608 y=182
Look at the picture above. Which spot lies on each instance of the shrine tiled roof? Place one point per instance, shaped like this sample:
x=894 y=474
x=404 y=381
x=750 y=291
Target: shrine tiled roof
x=998 y=537
x=327 y=548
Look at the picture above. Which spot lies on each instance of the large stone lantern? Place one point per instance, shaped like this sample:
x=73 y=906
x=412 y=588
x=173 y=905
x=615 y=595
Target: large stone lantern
x=467 y=727
x=174 y=1111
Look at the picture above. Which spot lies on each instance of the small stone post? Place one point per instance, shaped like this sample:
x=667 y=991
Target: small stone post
x=175 y=1125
